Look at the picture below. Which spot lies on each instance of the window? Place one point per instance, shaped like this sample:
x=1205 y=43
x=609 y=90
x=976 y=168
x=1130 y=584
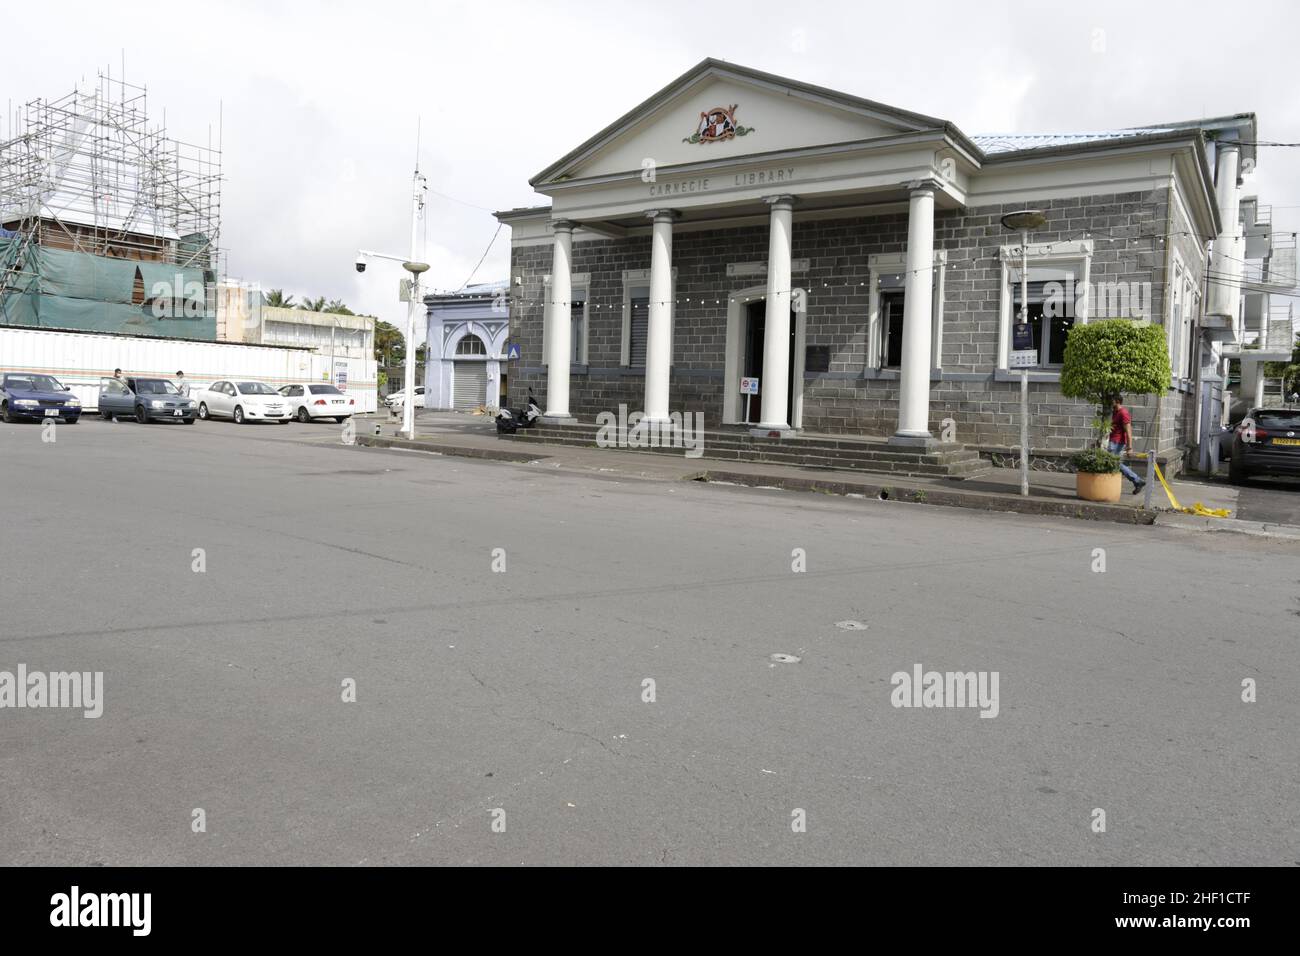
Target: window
x=1051 y=316
x=888 y=277
x=636 y=317
x=1058 y=280
x=891 y=328
x=638 y=327
x=471 y=345
x=578 y=330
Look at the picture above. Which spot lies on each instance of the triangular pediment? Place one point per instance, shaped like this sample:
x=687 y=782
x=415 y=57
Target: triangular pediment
x=722 y=111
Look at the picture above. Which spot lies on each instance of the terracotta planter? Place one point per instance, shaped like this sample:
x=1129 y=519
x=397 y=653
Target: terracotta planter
x=1093 y=487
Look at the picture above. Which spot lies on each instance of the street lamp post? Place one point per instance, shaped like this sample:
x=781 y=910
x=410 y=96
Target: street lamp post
x=1023 y=221
x=416 y=268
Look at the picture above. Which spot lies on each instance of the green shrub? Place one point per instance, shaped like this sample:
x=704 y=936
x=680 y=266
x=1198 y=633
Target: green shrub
x=1113 y=356
x=1095 y=461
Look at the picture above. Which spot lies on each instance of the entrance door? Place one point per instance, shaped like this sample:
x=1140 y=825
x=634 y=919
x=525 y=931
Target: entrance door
x=752 y=360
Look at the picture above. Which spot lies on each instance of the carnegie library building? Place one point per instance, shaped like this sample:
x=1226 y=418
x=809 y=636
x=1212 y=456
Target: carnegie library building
x=787 y=260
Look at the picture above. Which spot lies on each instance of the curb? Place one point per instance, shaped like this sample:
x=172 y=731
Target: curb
x=461 y=451
x=979 y=500
x=1259 y=529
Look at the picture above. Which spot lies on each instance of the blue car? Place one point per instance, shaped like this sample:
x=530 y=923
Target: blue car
x=37 y=397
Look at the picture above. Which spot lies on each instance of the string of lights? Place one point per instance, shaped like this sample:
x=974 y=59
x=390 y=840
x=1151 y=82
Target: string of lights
x=1043 y=250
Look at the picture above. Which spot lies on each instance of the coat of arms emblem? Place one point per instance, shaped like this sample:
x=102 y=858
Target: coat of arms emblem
x=716 y=125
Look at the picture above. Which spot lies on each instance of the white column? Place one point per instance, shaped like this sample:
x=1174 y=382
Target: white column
x=1225 y=268
x=775 y=414
x=914 y=376
x=559 y=319
x=658 y=347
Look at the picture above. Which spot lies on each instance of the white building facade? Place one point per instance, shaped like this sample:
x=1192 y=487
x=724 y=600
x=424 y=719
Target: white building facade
x=466 y=347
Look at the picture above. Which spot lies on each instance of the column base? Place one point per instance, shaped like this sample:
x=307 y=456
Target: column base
x=780 y=430
x=548 y=419
x=924 y=440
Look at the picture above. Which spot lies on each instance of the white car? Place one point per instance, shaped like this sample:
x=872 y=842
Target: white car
x=398 y=399
x=309 y=402
x=242 y=402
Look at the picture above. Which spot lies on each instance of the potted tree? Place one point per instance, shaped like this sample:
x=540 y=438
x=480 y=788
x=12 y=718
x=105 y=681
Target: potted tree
x=1096 y=475
x=1104 y=358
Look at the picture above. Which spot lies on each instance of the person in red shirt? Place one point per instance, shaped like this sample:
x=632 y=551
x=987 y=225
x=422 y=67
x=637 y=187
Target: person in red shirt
x=1121 y=439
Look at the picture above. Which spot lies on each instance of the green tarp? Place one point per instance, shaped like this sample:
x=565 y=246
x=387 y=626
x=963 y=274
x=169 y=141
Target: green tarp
x=75 y=290
x=78 y=275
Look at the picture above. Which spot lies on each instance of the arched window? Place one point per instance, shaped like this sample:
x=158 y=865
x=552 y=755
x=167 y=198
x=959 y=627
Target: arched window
x=471 y=345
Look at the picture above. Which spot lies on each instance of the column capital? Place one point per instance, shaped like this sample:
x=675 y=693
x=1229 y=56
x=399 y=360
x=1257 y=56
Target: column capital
x=928 y=184
x=781 y=201
x=1225 y=145
x=663 y=215
x=563 y=225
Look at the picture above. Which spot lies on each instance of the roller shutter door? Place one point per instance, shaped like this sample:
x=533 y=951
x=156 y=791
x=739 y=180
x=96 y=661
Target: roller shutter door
x=470 y=385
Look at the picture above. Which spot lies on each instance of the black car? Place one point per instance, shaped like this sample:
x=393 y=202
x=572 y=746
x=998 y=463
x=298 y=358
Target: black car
x=1267 y=442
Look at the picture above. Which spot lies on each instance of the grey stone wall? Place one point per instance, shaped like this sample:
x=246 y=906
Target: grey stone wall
x=1127 y=229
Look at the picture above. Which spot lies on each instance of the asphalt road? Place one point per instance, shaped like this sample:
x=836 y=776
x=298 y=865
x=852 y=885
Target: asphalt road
x=523 y=690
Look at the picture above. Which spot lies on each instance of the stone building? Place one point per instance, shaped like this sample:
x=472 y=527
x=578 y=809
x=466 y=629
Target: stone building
x=850 y=256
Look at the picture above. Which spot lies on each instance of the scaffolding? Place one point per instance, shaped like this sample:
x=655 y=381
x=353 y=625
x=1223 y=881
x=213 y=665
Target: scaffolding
x=106 y=222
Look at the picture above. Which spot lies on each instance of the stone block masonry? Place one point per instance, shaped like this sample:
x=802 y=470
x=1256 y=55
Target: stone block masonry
x=848 y=398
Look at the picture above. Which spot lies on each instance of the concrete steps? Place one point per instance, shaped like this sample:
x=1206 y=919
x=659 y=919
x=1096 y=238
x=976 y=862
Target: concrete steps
x=804 y=451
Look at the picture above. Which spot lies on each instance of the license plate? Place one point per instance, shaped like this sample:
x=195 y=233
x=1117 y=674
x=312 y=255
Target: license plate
x=179 y=412
x=51 y=411
x=337 y=401
x=1286 y=441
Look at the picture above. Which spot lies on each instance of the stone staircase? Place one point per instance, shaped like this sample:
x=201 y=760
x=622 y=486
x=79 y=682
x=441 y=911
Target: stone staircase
x=828 y=452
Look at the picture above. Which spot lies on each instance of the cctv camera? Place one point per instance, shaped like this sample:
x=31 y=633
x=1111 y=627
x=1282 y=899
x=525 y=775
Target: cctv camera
x=361 y=263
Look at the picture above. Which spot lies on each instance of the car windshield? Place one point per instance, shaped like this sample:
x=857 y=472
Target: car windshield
x=324 y=390
x=33 y=383
x=1289 y=421
x=256 y=388
x=155 y=386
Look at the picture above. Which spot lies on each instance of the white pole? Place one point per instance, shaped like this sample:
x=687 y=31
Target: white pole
x=408 y=402
x=1024 y=372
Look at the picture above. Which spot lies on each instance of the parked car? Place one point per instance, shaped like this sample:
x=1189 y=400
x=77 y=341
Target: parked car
x=1267 y=442
x=37 y=397
x=242 y=402
x=145 y=399
x=398 y=399
x=308 y=402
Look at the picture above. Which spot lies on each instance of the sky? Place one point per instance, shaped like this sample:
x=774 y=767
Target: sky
x=317 y=105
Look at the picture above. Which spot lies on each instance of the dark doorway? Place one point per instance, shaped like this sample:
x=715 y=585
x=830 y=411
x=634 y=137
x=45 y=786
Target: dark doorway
x=755 y=324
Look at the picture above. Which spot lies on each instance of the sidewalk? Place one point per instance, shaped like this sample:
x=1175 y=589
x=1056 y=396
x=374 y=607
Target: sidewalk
x=1051 y=493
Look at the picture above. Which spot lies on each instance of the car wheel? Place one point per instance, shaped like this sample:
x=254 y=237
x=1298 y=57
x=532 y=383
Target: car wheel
x=203 y=410
x=239 y=414
x=1236 y=474
x=72 y=421
x=7 y=417
x=141 y=415
x=284 y=421
x=107 y=416
x=188 y=421
x=302 y=414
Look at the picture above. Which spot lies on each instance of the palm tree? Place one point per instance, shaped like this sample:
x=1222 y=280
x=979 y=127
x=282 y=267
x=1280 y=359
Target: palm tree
x=337 y=307
x=276 y=299
x=313 y=305
x=389 y=342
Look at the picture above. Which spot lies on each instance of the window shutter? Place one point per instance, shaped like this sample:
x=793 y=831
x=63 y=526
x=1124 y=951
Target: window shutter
x=638 y=331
